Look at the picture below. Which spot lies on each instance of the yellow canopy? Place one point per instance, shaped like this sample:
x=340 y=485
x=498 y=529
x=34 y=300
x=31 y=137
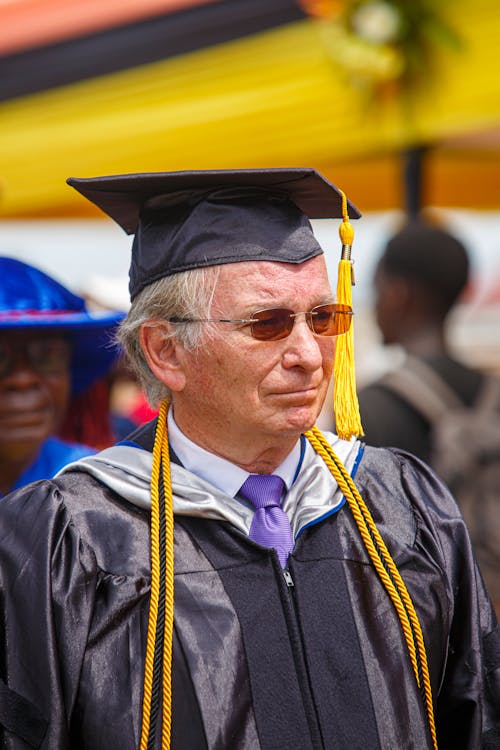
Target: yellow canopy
x=275 y=98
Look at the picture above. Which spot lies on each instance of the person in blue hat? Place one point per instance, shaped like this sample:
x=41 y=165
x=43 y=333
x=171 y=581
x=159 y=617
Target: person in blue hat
x=52 y=350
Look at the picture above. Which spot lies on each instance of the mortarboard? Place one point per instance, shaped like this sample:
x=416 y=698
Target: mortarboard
x=186 y=220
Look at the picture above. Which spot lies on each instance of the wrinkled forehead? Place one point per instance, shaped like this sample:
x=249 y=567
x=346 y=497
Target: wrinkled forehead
x=271 y=283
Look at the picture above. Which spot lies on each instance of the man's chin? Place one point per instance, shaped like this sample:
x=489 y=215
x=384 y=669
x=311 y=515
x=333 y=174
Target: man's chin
x=301 y=420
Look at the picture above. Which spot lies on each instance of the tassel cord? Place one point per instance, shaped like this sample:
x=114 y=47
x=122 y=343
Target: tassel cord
x=346 y=405
x=158 y=661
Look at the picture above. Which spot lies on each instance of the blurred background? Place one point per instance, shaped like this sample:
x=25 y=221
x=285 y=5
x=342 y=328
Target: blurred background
x=398 y=103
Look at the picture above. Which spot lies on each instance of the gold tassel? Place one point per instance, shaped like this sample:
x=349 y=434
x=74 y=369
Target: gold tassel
x=346 y=406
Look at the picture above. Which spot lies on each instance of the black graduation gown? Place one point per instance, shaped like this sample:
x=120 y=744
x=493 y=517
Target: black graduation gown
x=257 y=663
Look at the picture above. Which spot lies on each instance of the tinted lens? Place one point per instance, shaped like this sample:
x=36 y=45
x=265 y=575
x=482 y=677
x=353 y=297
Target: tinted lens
x=330 y=320
x=271 y=325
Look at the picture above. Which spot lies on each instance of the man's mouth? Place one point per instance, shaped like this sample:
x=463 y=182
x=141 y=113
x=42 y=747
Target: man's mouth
x=301 y=394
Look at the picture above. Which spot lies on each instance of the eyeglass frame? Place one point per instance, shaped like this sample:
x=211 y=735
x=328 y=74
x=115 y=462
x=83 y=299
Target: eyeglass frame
x=347 y=310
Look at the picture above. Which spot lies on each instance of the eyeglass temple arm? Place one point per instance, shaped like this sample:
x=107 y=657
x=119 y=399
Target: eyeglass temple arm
x=176 y=319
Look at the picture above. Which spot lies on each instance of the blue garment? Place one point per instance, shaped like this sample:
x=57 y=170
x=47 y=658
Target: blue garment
x=53 y=455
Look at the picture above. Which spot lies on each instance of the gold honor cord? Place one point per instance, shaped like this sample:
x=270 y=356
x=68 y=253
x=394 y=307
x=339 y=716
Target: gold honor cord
x=386 y=569
x=158 y=665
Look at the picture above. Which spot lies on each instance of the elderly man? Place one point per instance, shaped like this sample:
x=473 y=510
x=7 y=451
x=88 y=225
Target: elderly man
x=310 y=612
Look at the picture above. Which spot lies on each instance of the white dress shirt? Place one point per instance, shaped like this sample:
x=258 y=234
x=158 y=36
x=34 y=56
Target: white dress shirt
x=220 y=472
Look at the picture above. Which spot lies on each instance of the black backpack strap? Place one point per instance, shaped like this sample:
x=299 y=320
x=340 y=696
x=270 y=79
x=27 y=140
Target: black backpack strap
x=19 y=716
x=488 y=398
x=423 y=389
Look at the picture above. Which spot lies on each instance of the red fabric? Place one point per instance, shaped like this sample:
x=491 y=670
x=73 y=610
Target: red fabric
x=88 y=418
x=142 y=411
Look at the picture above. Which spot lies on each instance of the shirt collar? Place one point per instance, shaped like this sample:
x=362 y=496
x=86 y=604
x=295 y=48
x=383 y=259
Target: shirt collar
x=223 y=474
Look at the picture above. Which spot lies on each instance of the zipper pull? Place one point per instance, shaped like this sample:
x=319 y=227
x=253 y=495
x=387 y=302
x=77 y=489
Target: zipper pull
x=288 y=578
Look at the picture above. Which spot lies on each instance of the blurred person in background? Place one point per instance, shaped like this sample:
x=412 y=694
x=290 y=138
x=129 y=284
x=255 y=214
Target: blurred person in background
x=128 y=403
x=418 y=279
x=438 y=408
x=54 y=355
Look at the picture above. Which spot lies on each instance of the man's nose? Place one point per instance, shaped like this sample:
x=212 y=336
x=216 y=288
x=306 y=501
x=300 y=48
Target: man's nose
x=302 y=346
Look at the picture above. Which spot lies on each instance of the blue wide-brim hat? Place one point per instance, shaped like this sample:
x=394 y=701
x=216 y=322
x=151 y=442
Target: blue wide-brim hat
x=30 y=299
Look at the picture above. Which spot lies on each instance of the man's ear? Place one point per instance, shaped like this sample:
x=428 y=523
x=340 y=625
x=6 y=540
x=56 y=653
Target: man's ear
x=161 y=353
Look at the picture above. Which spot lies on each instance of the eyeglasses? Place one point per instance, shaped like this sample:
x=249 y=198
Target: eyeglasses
x=277 y=323
x=46 y=356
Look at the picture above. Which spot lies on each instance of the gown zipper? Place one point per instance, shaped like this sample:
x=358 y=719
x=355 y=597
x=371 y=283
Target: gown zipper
x=297 y=646
x=288 y=578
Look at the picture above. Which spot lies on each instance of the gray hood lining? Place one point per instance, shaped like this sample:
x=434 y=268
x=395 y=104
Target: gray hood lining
x=127 y=471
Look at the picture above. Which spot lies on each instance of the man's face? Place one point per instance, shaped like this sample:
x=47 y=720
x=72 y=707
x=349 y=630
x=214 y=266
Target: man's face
x=243 y=391
x=34 y=390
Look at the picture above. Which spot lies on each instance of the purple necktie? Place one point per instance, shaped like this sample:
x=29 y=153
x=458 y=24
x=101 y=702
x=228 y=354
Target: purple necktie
x=270 y=525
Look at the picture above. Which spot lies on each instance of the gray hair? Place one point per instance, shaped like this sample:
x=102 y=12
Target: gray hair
x=188 y=294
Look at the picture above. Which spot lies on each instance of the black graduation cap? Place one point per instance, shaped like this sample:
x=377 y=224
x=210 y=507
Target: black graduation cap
x=192 y=219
